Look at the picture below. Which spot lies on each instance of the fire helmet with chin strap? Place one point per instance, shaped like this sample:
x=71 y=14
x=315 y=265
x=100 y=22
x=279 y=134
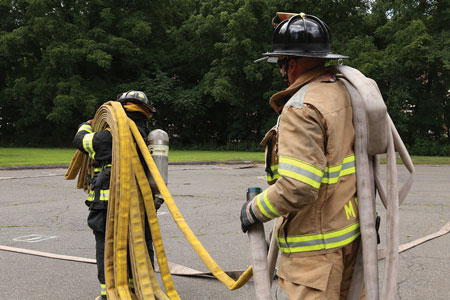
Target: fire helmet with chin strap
x=300 y=35
x=137 y=97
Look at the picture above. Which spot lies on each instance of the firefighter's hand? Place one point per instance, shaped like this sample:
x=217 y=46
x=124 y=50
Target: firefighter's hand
x=158 y=200
x=248 y=217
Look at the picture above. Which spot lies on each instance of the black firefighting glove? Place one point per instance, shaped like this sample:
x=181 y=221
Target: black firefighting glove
x=158 y=200
x=248 y=217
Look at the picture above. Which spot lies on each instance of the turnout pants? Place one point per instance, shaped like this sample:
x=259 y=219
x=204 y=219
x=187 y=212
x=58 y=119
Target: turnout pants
x=99 y=233
x=320 y=277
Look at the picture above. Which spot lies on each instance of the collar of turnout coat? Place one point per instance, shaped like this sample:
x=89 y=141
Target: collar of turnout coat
x=278 y=100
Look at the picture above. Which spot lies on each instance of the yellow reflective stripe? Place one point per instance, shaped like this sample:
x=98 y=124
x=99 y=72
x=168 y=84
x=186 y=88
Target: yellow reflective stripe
x=87 y=144
x=349 y=158
x=320 y=241
x=301 y=171
x=301 y=238
x=344 y=242
x=272 y=210
x=348 y=171
x=85 y=127
x=333 y=173
x=341 y=232
x=333 y=169
x=301 y=178
x=104 y=195
x=301 y=249
x=271 y=178
x=91 y=196
x=274 y=169
x=259 y=203
x=301 y=164
x=99 y=169
x=264 y=205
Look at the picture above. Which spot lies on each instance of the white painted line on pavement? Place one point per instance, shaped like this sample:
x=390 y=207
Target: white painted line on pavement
x=33 y=238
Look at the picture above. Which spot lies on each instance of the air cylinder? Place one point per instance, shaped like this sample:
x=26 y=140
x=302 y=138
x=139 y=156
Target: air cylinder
x=158 y=145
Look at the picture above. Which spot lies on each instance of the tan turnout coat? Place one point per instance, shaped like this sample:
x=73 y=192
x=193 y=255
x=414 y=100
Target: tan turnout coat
x=312 y=177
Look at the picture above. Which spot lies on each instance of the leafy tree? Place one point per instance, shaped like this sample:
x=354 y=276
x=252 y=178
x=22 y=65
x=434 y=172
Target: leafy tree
x=59 y=60
x=62 y=59
x=223 y=38
x=407 y=54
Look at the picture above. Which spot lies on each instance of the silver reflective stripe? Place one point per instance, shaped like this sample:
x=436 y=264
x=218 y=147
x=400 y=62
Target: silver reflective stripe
x=297 y=99
x=321 y=241
x=87 y=144
x=264 y=205
x=345 y=166
x=104 y=195
x=333 y=173
x=348 y=165
x=85 y=127
x=298 y=170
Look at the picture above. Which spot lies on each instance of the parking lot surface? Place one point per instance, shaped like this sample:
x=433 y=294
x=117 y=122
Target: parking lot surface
x=40 y=210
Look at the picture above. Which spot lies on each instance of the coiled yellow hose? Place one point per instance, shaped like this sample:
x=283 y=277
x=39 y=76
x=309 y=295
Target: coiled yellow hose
x=130 y=197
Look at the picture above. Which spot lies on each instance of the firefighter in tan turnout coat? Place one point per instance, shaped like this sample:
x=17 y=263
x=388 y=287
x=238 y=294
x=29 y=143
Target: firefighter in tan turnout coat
x=310 y=164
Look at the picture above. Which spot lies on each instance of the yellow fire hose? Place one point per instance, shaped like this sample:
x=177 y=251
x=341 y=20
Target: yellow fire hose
x=130 y=194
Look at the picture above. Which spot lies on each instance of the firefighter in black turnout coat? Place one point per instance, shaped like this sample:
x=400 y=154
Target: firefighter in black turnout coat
x=98 y=145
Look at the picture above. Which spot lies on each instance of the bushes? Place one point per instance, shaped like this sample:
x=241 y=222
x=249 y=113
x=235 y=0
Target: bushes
x=427 y=147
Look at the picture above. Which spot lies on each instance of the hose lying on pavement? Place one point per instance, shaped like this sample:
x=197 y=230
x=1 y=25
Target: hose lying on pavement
x=179 y=270
x=130 y=197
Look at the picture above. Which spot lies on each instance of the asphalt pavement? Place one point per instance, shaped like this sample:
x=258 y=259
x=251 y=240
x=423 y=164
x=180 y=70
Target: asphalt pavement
x=40 y=210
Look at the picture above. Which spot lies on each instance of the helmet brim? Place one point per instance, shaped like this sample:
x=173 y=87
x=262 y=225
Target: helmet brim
x=271 y=57
x=151 y=108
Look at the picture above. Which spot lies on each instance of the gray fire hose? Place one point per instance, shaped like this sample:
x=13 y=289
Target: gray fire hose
x=375 y=134
x=272 y=255
x=258 y=251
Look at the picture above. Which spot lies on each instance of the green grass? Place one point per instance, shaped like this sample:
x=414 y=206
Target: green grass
x=425 y=160
x=431 y=160
x=34 y=156
x=185 y=155
x=51 y=156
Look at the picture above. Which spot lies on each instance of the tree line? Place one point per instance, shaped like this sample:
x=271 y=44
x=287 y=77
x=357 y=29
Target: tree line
x=61 y=59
